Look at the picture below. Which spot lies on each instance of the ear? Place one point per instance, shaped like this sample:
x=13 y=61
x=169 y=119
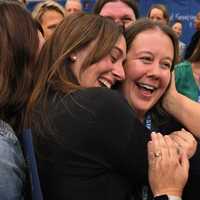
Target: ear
x=73 y=57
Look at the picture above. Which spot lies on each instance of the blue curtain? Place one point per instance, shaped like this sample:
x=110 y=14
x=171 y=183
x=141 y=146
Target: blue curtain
x=184 y=10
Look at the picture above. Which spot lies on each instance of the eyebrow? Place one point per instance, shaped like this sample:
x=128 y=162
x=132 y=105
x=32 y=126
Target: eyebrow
x=148 y=52
x=52 y=26
x=128 y=16
x=119 y=50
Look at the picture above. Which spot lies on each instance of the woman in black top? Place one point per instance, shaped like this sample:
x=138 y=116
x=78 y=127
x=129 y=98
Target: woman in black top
x=88 y=141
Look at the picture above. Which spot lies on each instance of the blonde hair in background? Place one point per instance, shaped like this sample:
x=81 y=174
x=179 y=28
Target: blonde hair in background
x=42 y=7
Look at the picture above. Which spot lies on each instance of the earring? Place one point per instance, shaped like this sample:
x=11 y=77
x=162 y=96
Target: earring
x=73 y=58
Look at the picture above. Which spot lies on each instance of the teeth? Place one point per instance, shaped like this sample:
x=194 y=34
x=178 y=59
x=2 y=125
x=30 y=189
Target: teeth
x=105 y=83
x=148 y=87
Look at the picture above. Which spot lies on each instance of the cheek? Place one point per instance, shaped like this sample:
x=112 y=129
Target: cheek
x=91 y=73
x=165 y=80
x=134 y=70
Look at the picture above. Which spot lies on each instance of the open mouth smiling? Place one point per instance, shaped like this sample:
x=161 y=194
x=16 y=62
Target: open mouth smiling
x=105 y=83
x=146 y=87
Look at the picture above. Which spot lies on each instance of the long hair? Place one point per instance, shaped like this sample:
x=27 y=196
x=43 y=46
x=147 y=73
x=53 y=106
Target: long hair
x=18 y=52
x=75 y=33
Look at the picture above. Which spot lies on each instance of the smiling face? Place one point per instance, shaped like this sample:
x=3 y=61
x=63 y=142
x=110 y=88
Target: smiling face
x=147 y=70
x=106 y=71
x=120 y=12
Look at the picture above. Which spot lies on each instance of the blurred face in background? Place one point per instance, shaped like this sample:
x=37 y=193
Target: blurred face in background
x=177 y=28
x=157 y=15
x=120 y=12
x=73 y=6
x=49 y=21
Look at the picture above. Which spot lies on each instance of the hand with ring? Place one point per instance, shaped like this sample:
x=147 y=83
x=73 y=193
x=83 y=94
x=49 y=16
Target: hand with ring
x=157 y=154
x=185 y=141
x=168 y=170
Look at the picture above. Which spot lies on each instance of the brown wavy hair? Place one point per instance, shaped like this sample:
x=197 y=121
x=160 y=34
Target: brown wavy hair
x=18 y=52
x=75 y=33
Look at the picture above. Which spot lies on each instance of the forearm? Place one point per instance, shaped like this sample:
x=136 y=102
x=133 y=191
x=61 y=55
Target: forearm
x=186 y=111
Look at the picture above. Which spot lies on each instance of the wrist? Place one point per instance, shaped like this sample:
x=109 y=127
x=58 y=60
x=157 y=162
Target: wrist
x=167 y=197
x=170 y=191
x=172 y=104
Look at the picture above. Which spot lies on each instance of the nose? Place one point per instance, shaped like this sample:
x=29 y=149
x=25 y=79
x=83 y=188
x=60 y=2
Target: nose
x=154 y=70
x=118 y=72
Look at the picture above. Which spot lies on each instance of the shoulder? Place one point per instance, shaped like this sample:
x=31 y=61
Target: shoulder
x=99 y=94
x=12 y=164
x=7 y=133
x=183 y=70
x=10 y=147
x=102 y=105
x=182 y=67
x=184 y=64
x=100 y=99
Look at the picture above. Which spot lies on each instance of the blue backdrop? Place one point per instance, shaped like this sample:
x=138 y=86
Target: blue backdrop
x=87 y=4
x=185 y=10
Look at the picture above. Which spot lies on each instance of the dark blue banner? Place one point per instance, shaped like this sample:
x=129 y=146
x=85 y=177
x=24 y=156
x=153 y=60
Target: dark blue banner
x=184 y=10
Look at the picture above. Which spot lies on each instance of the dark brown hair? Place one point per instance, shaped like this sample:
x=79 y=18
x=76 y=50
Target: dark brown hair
x=18 y=53
x=142 y=25
x=130 y=3
x=75 y=33
x=159 y=116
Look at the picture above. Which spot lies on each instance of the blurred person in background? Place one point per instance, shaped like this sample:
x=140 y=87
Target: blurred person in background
x=123 y=12
x=72 y=6
x=177 y=27
x=49 y=14
x=158 y=12
x=195 y=38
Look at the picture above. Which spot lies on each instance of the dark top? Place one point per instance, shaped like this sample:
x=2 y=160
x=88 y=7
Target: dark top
x=94 y=148
x=192 y=45
x=162 y=197
x=191 y=190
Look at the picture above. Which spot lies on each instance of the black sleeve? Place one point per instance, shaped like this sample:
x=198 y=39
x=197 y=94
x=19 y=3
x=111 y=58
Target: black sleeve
x=162 y=197
x=103 y=127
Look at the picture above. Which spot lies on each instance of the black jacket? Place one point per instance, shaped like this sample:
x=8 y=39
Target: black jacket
x=90 y=146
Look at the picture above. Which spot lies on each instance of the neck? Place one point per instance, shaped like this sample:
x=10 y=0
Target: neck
x=140 y=115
